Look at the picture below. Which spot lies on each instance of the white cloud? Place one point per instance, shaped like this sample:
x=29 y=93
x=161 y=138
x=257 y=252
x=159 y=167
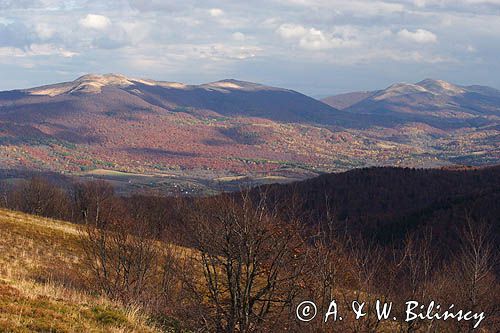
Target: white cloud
x=168 y=36
x=10 y=52
x=290 y=31
x=216 y=12
x=218 y=52
x=464 y=2
x=471 y=49
x=49 y=49
x=97 y=22
x=44 y=31
x=315 y=39
x=401 y=56
x=418 y=36
x=203 y=54
x=420 y=3
x=375 y=57
x=35 y=50
x=238 y=36
x=360 y=8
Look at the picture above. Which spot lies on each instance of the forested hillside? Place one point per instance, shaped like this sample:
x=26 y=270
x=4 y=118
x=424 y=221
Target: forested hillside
x=389 y=202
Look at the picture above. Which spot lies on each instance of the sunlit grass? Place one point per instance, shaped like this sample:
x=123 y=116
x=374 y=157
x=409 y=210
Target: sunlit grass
x=39 y=279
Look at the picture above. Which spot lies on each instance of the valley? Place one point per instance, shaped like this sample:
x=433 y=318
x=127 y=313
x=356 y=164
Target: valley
x=195 y=139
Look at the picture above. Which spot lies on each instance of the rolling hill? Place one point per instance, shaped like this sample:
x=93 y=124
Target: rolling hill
x=117 y=93
x=142 y=133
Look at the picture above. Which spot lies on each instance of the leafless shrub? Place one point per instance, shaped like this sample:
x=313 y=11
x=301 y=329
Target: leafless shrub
x=414 y=266
x=250 y=262
x=124 y=259
x=96 y=204
x=122 y=263
x=38 y=196
x=470 y=279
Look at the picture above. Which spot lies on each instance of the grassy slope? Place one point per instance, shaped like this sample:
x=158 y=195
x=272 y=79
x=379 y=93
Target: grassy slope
x=38 y=261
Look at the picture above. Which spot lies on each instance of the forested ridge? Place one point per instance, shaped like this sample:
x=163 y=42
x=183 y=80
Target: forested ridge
x=389 y=202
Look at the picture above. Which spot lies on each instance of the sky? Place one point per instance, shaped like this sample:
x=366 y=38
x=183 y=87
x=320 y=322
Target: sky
x=318 y=47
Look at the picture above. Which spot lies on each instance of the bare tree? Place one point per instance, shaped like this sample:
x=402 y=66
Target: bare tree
x=123 y=260
x=96 y=203
x=38 y=196
x=371 y=281
x=5 y=189
x=413 y=265
x=251 y=263
x=473 y=272
x=122 y=254
x=327 y=262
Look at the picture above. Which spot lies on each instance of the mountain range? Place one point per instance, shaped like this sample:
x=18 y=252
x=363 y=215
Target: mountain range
x=433 y=102
x=191 y=138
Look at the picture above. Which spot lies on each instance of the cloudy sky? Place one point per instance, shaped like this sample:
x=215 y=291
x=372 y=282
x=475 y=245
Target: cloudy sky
x=318 y=47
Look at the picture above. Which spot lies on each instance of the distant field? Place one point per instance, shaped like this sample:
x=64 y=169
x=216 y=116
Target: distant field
x=115 y=173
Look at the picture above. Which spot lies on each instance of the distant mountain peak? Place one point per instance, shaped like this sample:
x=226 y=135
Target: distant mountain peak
x=93 y=84
x=432 y=102
x=441 y=87
x=430 y=81
x=100 y=77
x=429 y=86
x=89 y=83
x=399 y=89
x=105 y=79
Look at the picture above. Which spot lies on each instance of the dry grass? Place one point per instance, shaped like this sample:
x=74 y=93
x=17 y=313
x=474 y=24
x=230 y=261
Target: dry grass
x=39 y=279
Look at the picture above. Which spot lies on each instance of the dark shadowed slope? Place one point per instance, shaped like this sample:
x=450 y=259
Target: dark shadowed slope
x=343 y=101
x=386 y=203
